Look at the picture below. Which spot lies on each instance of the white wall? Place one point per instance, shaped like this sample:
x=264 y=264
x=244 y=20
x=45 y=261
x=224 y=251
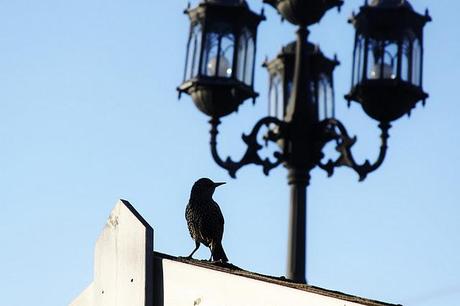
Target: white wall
x=123 y=263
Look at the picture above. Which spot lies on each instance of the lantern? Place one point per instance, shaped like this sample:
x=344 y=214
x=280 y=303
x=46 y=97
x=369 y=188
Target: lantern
x=388 y=59
x=221 y=50
x=320 y=81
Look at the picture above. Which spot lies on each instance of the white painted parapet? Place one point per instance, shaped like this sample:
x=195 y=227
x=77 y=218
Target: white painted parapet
x=127 y=272
x=123 y=262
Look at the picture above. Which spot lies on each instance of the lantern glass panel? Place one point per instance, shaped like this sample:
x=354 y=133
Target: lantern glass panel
x=218 y=53
x=227 y=49
x=241 y=58
x=276 y=99
x=210 y=54
x=189 y=56
x=358 y=60
x=405 y=60
x=193 y=52
x=325 y=98
x=246 y=57
x=249 y=60
x=289 y=85
x=373 y=57
x=416 y=62
x=382 y=60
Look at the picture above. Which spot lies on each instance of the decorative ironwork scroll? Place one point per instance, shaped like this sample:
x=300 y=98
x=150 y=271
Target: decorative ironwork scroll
x=345 y=143
x=251 y=156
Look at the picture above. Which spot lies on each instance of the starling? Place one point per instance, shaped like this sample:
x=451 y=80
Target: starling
x=205 y=220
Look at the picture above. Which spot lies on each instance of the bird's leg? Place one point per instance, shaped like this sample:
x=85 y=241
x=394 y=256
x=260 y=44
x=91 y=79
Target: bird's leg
x=197 y=245
x=211 y=248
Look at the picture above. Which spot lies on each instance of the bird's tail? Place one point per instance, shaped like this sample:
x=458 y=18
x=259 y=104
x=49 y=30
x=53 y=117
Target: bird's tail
x=218 y=253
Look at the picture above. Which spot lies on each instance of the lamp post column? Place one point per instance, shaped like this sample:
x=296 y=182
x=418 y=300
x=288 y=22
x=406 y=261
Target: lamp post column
x=298 y=181
x=300 y=118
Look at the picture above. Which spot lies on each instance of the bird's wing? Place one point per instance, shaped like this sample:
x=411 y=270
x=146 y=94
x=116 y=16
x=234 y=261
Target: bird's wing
x=215 y=223
x=220 y=216
x=209 y=224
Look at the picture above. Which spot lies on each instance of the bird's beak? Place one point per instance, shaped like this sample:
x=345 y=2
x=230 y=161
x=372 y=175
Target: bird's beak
x=218 y=184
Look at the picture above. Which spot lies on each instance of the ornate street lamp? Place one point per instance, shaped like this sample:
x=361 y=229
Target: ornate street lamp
x=387 y=82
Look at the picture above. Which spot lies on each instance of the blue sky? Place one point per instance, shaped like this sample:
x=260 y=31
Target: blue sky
x=89 y=114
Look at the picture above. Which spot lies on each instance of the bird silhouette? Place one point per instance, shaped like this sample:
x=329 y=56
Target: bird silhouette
x=205 y=220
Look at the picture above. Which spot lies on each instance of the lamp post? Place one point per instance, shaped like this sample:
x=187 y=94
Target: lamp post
x=386 y=81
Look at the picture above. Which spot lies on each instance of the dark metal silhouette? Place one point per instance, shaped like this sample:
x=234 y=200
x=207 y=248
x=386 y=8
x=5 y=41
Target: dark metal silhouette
x=205 y=220
x=386 y=82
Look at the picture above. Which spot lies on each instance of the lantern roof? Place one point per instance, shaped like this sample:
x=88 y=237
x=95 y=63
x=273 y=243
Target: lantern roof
x=229 y=11
x=389 y=19
x=303 y=12
x=228 y=2
x=391 y=4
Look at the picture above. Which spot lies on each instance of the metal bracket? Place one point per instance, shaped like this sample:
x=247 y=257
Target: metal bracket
x=251 y=155
x=345 y=143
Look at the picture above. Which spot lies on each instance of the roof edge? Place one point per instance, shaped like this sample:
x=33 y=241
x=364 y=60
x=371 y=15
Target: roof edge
x=281 y=281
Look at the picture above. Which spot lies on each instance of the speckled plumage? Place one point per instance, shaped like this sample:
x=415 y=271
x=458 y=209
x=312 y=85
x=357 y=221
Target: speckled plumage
x=205 y=220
